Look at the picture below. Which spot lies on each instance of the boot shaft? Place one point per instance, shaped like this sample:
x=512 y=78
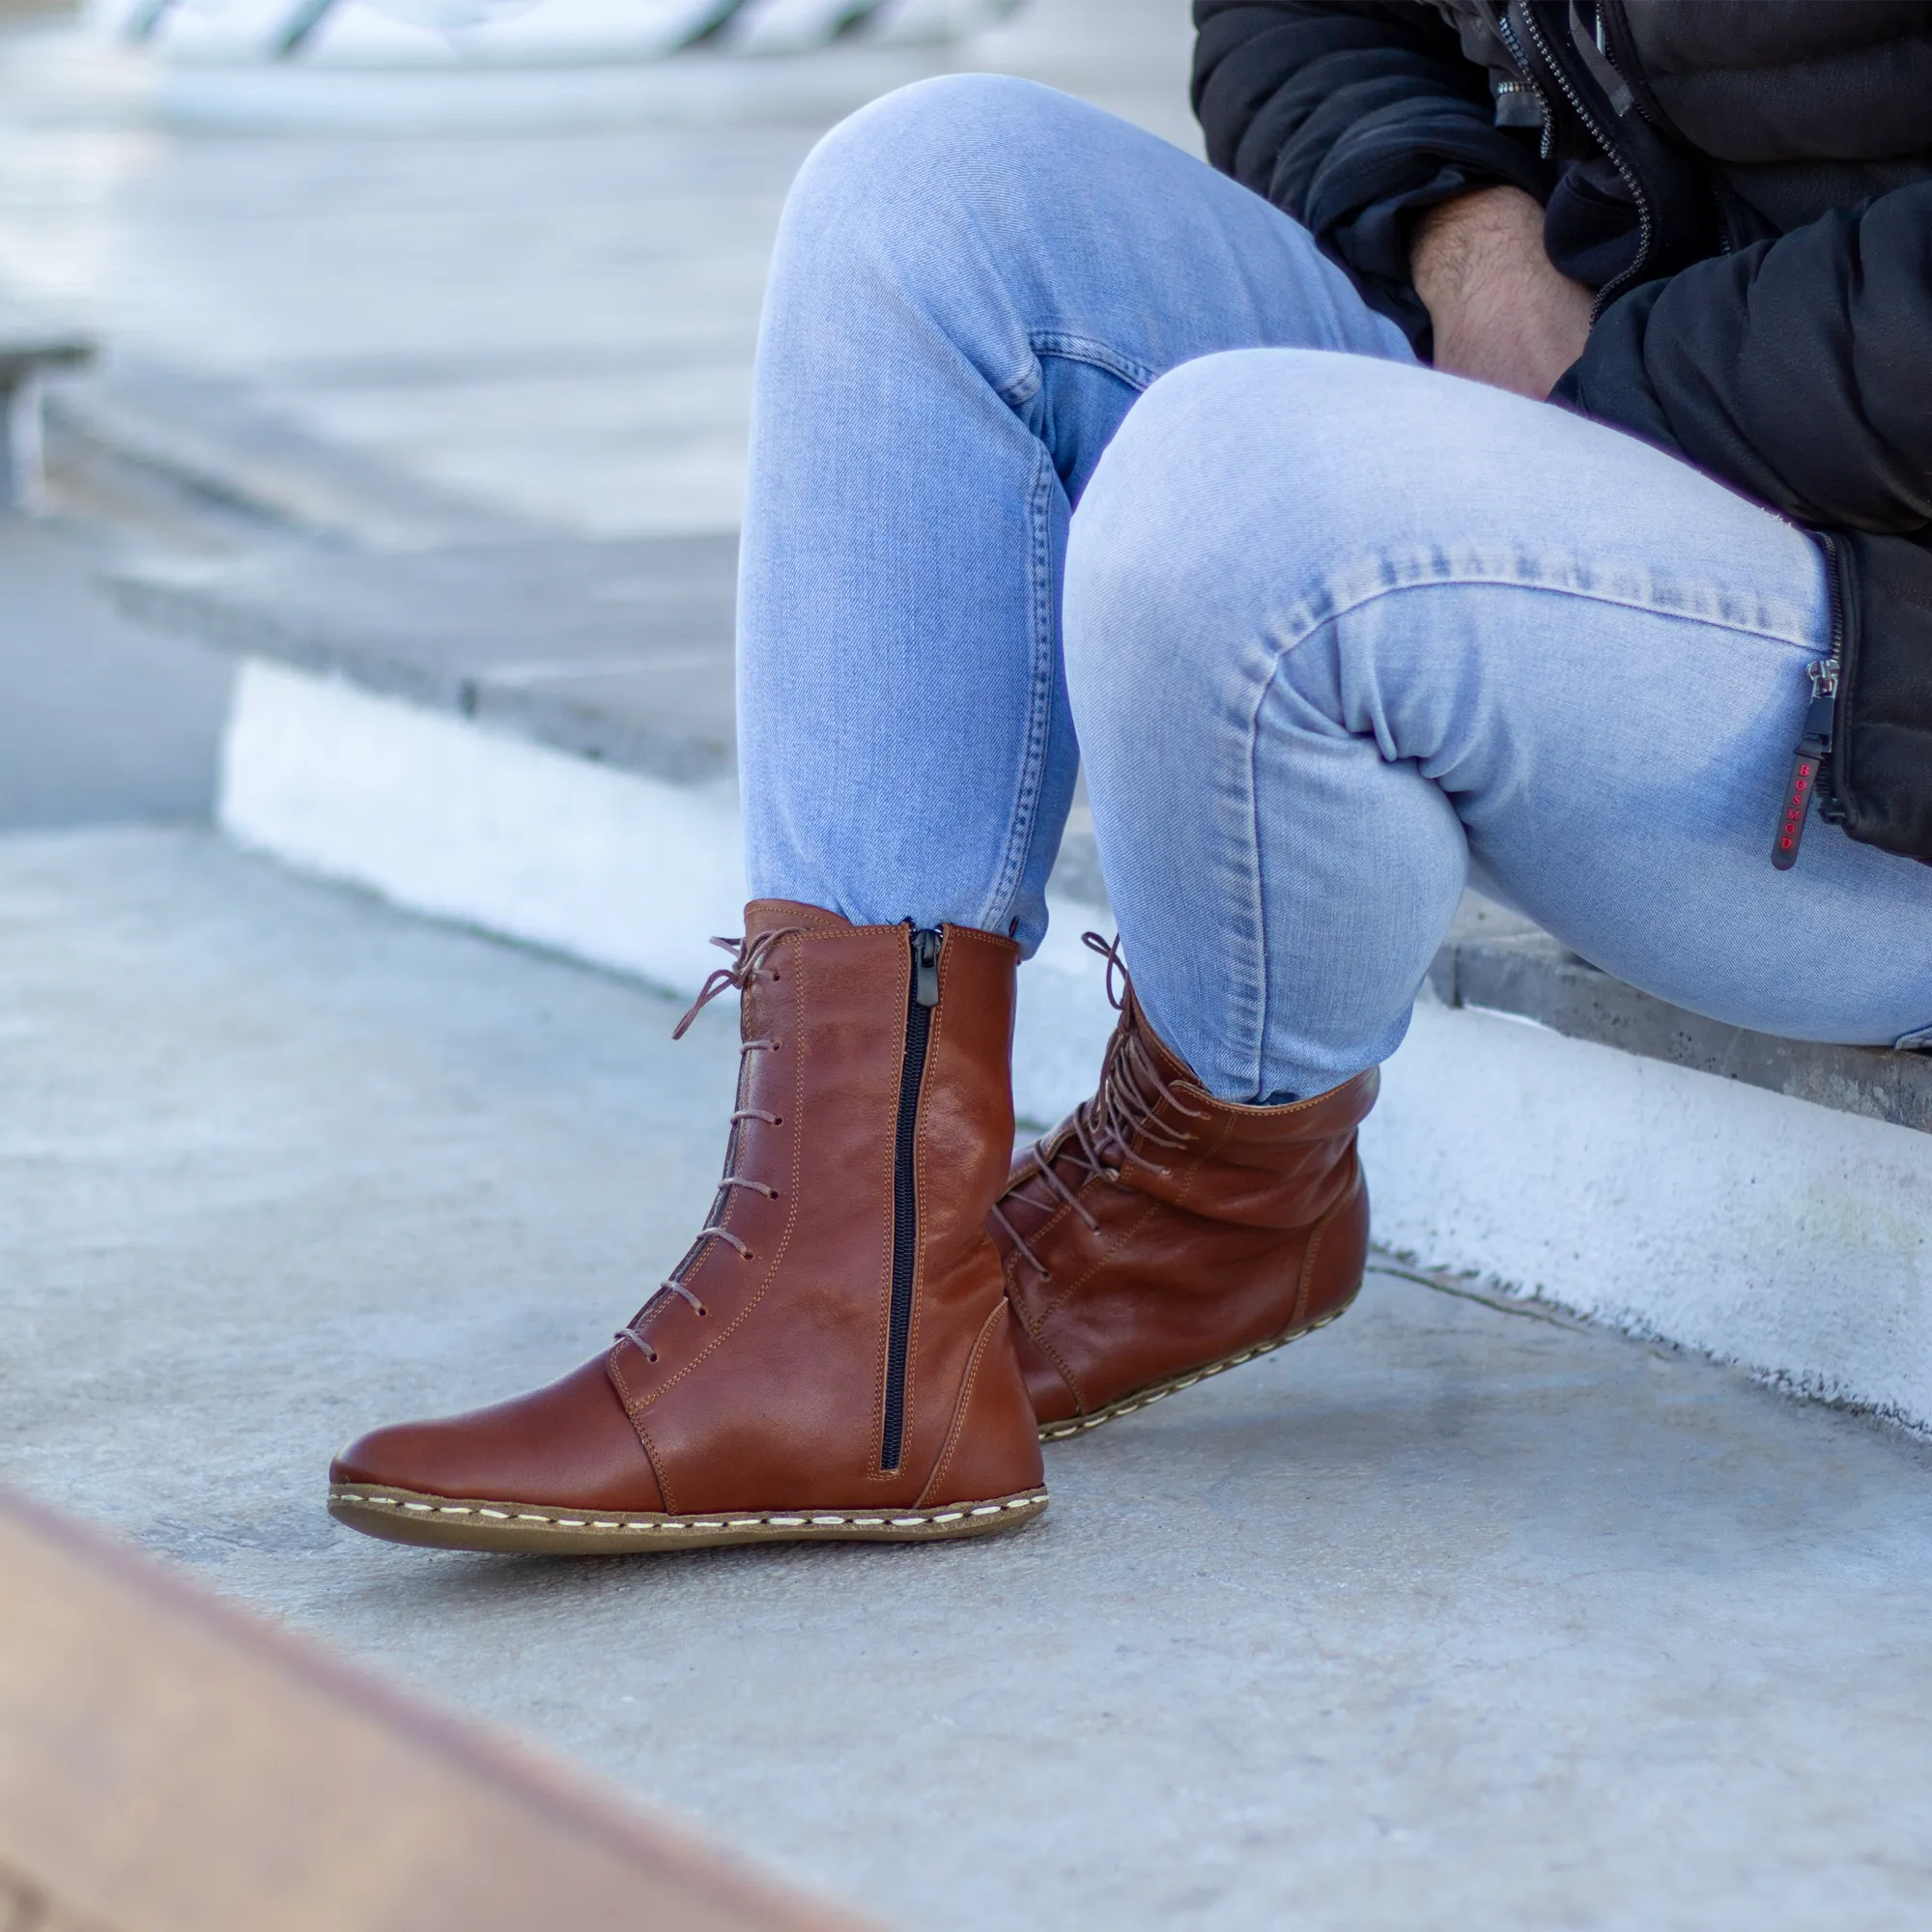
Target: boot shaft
x=1152 y=1122
x=1160 y=1235
x=850 y=1278
x=834 y=1357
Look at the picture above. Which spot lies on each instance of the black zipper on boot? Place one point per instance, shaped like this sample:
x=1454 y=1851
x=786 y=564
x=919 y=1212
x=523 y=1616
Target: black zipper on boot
x=922 y=997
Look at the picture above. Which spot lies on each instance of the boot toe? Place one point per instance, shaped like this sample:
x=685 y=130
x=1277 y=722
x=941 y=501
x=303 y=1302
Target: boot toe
x=568 y=1444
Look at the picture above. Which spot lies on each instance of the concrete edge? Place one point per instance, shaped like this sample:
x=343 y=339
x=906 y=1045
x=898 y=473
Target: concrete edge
x=614 y=868
x=1533 y=976
x=1510 y=968
x=1760 y=1229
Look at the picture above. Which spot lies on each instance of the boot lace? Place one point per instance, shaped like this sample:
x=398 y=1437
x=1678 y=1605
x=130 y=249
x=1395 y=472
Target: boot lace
x=1102 y=1130
x=747 y=959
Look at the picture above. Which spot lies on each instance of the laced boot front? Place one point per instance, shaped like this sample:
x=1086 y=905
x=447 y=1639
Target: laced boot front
x=1159 y=1236
x=833 y=1355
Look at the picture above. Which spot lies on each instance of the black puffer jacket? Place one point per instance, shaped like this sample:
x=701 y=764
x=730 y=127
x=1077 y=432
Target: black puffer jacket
x=1747 y=184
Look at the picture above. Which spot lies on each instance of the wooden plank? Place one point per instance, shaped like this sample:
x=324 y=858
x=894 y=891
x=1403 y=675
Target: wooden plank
x=171 y=1763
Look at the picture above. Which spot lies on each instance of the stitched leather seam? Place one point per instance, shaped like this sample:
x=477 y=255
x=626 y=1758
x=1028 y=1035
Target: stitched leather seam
x=959 y=1407
x=615 y=1371
x=1061 y=1363
x=997 y=940
x=657 y=1467
x=1107 y=1253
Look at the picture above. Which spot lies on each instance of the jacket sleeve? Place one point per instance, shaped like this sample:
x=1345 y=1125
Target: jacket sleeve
x=1352 y=115
x=1796 y=369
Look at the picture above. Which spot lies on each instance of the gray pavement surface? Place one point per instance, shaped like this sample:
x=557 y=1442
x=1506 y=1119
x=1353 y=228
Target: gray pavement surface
x=101 y=719
x=555 y=327
x=1449 y=1616
x=395 y=340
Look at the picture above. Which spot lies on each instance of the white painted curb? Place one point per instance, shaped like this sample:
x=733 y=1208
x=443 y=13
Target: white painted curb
x=1781 y=1235
x=617 y=870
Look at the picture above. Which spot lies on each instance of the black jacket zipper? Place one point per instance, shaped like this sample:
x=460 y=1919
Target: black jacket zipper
x=1811 y=761
x=921 y=999
x=1554 y=66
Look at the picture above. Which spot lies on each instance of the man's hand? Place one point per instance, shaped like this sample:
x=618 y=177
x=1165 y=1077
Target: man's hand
x=1504 y=315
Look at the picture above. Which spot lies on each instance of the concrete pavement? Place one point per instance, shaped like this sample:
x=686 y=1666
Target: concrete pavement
x=395 y=339
x=1454 y=1614
x=1451 y=1615
x=554 y=325
x=100 y=719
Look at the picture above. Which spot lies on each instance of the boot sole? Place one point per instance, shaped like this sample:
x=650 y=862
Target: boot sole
x=452 y=1522
x=1078 y=1425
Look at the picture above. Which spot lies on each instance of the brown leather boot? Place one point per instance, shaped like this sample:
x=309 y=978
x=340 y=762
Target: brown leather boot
x=1159 y=1236
x=833 y=1358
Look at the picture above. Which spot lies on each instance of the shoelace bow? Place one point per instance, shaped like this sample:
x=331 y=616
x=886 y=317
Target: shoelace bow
x=1102 y=1131
x=748 y=957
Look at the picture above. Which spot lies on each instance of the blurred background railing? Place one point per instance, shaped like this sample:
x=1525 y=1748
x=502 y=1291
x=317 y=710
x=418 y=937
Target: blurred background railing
x=515 y=32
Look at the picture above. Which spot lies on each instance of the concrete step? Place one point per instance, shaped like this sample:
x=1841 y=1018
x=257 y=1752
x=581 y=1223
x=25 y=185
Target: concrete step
x=534 y=737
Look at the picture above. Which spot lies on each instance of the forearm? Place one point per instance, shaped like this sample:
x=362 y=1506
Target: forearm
x=1502 y=314
x=1352 y=115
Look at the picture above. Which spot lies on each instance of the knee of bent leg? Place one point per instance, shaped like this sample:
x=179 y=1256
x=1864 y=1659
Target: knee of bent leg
x=1224 y=501
x=908 y=168
x=1164 y=539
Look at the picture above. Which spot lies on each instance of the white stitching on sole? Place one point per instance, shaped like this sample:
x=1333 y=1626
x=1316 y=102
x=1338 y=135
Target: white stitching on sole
x=926 y=1519
x=1078 y=1425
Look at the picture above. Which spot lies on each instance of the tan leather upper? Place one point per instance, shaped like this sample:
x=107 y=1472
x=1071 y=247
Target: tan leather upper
x=772 y=1396
x=1217 y=1227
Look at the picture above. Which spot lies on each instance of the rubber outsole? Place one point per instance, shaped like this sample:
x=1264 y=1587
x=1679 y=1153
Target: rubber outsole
x=1079 y=1425
x=465 y=1523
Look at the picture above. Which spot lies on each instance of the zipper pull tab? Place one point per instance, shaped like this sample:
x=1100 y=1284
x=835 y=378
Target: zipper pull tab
x=1808 y=763
x=926 y=946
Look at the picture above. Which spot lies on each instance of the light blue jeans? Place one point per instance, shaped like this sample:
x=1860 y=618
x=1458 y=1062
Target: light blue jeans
x=1067 y=448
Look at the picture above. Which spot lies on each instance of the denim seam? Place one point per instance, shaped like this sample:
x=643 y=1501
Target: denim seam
x=1261 y=998
x=1333 y=614
x=996 y=914
x=998 y=911
x=1069 y=348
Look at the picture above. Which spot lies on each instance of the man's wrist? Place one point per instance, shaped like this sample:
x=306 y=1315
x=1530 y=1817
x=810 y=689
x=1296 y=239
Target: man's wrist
x=1459 y=242
x=1502 y=312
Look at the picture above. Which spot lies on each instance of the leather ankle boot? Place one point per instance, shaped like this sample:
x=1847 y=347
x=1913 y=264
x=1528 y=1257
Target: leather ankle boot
x=833 y=1358
x=1159 y=1236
